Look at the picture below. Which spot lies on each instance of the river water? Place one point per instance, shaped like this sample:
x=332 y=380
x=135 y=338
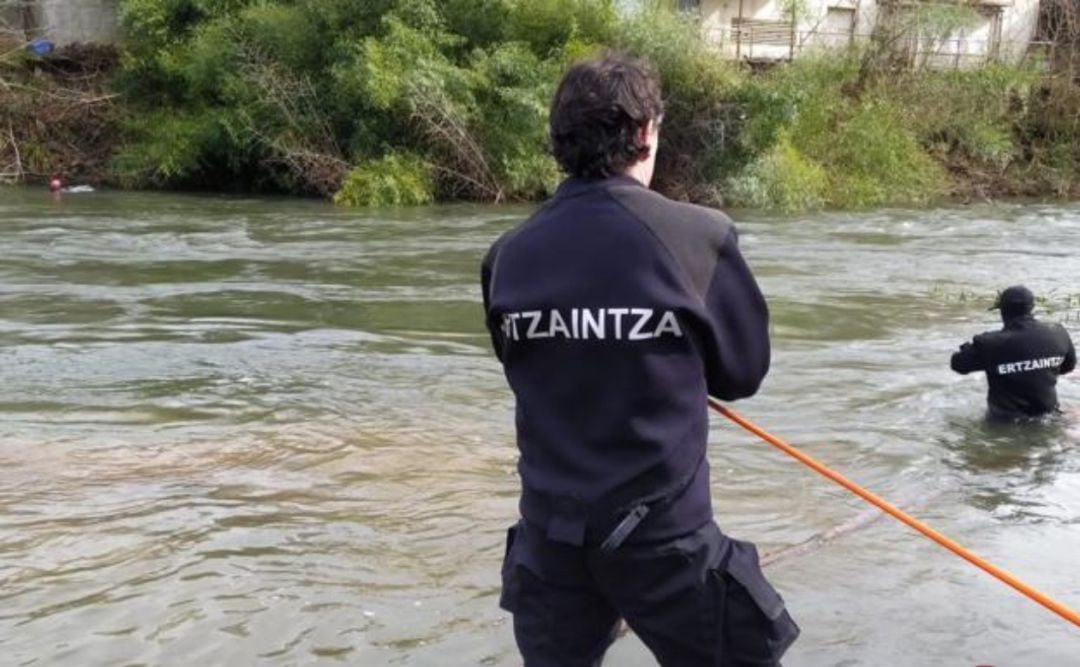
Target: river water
x=255 y=431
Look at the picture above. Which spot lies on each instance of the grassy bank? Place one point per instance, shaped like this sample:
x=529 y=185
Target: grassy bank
x=400 y=102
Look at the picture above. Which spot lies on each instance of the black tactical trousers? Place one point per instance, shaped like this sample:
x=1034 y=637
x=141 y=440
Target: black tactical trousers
x=694 y=601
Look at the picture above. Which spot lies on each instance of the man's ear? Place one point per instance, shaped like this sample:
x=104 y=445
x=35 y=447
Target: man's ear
x=643 y=134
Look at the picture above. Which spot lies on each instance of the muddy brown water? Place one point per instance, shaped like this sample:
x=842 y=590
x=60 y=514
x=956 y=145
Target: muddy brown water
x=254 y=431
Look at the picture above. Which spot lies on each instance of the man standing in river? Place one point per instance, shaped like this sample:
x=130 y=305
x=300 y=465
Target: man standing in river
x=1022 y=361
x=614 y=312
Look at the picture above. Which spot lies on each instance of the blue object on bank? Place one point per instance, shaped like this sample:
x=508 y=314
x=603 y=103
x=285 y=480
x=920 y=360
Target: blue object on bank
x=40 y=47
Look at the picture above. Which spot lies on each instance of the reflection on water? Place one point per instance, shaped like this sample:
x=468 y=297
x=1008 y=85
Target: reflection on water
x=253 y=431
x=1004 y=468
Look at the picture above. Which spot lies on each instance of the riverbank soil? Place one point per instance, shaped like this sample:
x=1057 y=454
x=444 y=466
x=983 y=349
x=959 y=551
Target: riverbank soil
x=59 y=115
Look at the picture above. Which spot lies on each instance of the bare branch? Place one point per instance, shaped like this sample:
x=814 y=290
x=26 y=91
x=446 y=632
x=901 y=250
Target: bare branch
x=466 y=169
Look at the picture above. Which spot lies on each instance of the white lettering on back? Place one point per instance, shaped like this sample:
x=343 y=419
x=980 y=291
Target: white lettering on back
x=668 y=323
x=558 y=324
x=1029 y=365
x=643 y=315
x=592 y=320
x=592 y=324
x=618 y=313
x=534 y=321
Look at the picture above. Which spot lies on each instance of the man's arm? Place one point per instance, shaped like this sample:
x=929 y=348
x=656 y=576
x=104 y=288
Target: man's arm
x=967 y=359
x=737 y=356
x=1070 y=358
x=494 y=327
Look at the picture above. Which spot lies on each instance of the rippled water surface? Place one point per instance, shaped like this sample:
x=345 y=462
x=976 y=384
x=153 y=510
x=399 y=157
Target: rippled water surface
x=250 y=431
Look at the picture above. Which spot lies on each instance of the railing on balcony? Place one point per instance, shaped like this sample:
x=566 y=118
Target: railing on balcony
x=770 y=37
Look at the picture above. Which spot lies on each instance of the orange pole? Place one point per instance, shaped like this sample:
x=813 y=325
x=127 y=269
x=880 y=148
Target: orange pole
x=1045 y=600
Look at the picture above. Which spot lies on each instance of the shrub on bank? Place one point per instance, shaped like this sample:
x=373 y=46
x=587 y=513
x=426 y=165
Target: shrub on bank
x=875 y=159
x=820 y=145
x=307 y=90
x=783 y=179
x=392 y=180
x=970 y=113
x=449 y=99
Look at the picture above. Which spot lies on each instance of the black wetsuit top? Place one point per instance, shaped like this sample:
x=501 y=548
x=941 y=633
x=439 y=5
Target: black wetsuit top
x=614 y=310
x=1022 y=362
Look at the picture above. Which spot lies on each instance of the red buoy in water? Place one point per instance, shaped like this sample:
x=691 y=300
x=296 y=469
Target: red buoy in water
x=55 y=183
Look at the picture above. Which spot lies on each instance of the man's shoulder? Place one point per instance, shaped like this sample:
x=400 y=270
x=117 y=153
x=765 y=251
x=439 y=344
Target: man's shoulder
x=989 y=337
x=507 y=236
x=1053 y=326
x=1057 y=330
x=660 y=213
x=696 y=237
x=1028 y=333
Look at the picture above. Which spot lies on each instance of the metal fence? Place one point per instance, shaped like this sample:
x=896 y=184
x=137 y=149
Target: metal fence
x=764 y=41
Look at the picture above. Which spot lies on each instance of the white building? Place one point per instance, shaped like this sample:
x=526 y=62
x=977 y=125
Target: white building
x=941 y=33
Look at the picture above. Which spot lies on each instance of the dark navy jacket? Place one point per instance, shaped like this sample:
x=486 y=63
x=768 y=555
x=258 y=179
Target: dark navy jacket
x=614 y=310
x=1022 y=363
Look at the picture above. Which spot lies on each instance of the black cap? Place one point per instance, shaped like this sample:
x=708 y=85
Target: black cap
x=1016 y=300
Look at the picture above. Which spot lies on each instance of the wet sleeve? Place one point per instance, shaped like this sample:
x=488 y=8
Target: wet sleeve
x=738 y=352
x=967 y=359
x=490 y=320
x=1069 y=364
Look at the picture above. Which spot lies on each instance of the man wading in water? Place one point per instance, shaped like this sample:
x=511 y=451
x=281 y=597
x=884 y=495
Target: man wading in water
x=1022 y=361
x=614 y=311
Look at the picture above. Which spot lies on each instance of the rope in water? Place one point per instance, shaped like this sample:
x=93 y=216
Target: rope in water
x=1043 y=599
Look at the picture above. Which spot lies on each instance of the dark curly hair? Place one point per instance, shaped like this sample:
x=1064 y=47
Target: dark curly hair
x=598 y=111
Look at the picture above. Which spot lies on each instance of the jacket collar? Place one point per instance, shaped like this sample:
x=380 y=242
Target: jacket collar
x=573 y=186
x=1018 y=321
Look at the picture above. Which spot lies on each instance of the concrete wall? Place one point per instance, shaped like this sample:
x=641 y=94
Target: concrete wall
x=69 y=21
x=14 y=19
x=1021 y=18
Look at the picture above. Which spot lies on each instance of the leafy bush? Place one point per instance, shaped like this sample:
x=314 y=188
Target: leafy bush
x=178 y=148
x=874 y=159
x=805 y=97
x=782 y=179
x=804 y=123
x=970 y=113
x=450 y=99
x=392 y=180
x=514 y=89
x=309 y=88
x=547 y=26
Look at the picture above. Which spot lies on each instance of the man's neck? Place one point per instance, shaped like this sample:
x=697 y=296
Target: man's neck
x=1017 y=320
x=640 y=172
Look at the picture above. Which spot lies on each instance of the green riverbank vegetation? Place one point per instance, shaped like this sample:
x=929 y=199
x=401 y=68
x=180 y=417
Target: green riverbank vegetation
x=401 y=102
